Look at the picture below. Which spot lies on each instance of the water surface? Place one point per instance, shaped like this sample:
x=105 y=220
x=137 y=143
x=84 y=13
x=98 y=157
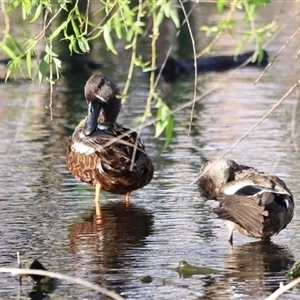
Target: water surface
x=47 y=213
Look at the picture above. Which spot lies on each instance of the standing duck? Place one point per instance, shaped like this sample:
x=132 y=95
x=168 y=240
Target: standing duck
x=254 y=203
x=103 y=154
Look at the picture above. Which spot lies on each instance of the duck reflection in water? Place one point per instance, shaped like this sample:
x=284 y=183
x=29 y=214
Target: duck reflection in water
x=103 y=154
x=107 y=252
x=122 y=227
x=257 y=268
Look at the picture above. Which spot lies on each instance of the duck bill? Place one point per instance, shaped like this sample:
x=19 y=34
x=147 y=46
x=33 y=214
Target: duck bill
x=92 y=117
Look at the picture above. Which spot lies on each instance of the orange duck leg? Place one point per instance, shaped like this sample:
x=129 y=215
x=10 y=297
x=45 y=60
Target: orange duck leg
x=97 y=196
x=127 y=198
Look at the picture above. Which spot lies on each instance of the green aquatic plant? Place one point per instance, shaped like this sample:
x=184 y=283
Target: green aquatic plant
x=41 y=283
x=146 y=279
x=294 y=271
x=186 y=270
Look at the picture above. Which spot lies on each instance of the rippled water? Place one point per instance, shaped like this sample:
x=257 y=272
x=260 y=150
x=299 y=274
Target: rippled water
x=46 y=213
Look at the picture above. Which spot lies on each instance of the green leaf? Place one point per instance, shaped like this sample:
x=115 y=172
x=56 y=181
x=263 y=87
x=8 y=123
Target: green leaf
x=13 y=5
x=10 y=53
x=37 y=13
x=220 y=5
x=13 y=65
x=27 y=6
x=169 y=131
x=57 y=62
x=58 y=30
x=108 y=40
x=159 y=129
x=118 y=25
x=159 y=18
x=29 y=63
x=73 y=44
x=83 y=44
x=44 y=67
x=170 y=11
x=259 y=2
x=75 y=27
x=242 y=43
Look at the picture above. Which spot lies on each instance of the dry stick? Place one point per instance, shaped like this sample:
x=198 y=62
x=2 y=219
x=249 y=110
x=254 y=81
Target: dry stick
x=195 y=66
x=294 y=133
x=129 y=77
x=50 y=69
x=280 y=50
x=258 y=123
x=87 y=16
x=282 y=289
x=107 y=16
x=18 y=259
x=294 y=130
x=19 y=266
x=16 y=271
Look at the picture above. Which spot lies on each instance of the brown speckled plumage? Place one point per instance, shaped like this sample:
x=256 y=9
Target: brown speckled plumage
x=102 y=153
x=254 y=203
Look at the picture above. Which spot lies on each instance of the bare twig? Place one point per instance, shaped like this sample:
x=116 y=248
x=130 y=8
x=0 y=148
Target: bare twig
x=18 y=259
x=170 y=48
x=259 y=122
x=220 y=32
x=282 y=289
x=107 y=17
x=280 y=50
x=195 y=65
x=133 y=52
x=19 y=266
x=49 y=41
x=294 y=131
x=16 y=271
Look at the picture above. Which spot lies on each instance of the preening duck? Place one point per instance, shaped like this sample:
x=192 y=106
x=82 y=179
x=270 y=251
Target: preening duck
x=102 y=153
x=255 y=203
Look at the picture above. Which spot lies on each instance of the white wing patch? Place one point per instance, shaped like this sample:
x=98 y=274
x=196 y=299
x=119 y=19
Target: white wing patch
x=232 y=189
x=82 y=148
x=102 y=127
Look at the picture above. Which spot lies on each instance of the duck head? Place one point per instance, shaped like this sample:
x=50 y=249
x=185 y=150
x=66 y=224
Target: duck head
x=103 y=104
x=214 y=174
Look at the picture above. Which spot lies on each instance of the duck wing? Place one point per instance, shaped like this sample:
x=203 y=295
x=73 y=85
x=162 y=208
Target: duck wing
x=117 y=148
x=243 y=211
x=262 y=179
x=262 y=205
